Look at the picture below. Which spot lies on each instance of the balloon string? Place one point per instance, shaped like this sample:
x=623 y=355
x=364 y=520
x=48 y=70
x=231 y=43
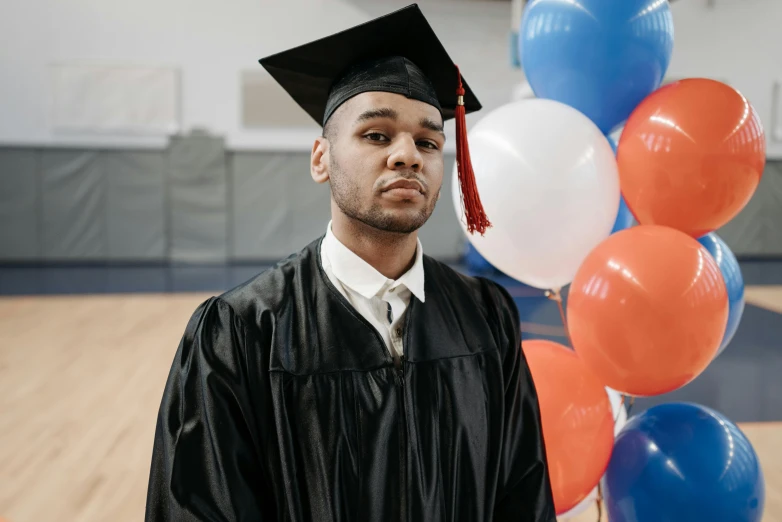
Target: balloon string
x=555 y=295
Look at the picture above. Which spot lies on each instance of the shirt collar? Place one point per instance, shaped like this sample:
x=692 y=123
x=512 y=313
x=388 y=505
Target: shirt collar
x=362 y=277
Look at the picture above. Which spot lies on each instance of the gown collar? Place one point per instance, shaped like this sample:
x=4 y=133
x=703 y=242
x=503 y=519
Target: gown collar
x=363 y=278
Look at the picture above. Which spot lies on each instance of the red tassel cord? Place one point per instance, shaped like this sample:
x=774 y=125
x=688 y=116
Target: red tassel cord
x=473 y=209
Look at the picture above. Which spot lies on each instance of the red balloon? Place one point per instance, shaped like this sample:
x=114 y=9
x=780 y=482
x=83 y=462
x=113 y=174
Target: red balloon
x=647 y=310
x=578 y=423
x=691 y=156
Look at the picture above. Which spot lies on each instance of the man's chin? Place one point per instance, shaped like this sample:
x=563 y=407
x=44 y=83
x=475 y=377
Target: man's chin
x=398 y=223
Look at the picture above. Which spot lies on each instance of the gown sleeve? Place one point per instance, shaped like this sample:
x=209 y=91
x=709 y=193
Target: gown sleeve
x=524 y=493
x=206 y=460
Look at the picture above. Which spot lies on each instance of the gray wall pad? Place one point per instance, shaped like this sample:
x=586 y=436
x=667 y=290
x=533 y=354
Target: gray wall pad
x=197 y=199
x=73 y=191
x=20 y=233
x=194 y=202
x=136 y=210
x=757 y=230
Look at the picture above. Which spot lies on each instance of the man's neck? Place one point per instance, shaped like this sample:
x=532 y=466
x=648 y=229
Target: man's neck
x=390 y=253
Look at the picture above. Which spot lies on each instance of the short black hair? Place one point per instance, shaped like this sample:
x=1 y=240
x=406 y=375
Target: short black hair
x=330 y=129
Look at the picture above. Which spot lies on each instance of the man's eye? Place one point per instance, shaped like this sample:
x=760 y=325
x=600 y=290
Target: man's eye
x=428 y=145
x=375 y=136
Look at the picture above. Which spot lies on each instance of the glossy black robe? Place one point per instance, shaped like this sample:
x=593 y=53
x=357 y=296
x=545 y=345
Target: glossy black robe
x=284 y=404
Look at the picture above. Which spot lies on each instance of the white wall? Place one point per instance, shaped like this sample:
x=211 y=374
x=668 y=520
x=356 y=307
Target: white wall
x=210 y=42
x=737 y=41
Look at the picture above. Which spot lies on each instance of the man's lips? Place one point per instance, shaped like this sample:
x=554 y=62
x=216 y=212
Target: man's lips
x=408 y=184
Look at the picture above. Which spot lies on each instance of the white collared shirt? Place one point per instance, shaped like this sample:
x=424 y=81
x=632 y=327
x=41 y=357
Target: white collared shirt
x=381 y=301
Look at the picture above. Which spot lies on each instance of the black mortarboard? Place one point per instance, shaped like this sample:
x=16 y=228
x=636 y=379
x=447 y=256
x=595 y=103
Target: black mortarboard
x=327 y=69
x=397 y=53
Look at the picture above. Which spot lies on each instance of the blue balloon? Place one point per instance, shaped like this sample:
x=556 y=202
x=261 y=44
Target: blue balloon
x=682 y=462
x=624 y=219
x=731 y=272
x=600 y=57
x=475 y=261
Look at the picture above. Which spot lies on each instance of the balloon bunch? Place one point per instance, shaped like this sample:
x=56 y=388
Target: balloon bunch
x=649 y=306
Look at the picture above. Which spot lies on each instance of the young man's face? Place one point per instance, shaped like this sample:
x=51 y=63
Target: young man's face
x=384 y=160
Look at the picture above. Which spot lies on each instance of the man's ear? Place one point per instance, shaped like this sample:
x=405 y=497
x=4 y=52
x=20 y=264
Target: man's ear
x=319 y=160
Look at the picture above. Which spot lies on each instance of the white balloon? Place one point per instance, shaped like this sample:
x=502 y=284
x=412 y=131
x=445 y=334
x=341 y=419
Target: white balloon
x=620 y=416
x=549 y=183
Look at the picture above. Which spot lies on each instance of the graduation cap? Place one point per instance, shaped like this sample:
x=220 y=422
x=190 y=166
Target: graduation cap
x=397 y=53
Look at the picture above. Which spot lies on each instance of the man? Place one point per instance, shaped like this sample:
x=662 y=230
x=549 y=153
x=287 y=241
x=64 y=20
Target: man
x=358 y=380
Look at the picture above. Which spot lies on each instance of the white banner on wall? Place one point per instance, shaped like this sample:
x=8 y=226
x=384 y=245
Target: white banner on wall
x=114 y=100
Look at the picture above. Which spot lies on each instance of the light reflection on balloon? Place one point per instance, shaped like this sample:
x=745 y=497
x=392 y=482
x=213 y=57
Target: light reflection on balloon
x=578 y=420
x=599 y=57
x=658 y=4
x=691 y=156
x=661 y=318
x=682 y=462
x=619 y=413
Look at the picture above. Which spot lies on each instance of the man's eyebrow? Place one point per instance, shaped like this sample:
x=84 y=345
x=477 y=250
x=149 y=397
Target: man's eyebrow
x=391 y=114
x=428 y=123
x=371 y=114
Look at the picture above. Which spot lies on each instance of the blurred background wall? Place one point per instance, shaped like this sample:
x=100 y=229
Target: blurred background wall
x=147 y=131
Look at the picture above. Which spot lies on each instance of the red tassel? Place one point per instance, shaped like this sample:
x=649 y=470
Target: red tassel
x=471 y=201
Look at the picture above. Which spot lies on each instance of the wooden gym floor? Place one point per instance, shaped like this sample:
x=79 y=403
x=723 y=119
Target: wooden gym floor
x=80 y=382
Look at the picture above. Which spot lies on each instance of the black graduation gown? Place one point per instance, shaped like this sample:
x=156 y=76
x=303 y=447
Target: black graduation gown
x=284 y=404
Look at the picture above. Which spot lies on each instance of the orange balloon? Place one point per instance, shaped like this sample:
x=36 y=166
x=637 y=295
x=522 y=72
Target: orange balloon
x=691 y=156
x=647 y=310
x=578 y=423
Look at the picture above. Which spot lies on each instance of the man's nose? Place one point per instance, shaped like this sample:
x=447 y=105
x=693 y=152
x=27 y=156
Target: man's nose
x=405 y=155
